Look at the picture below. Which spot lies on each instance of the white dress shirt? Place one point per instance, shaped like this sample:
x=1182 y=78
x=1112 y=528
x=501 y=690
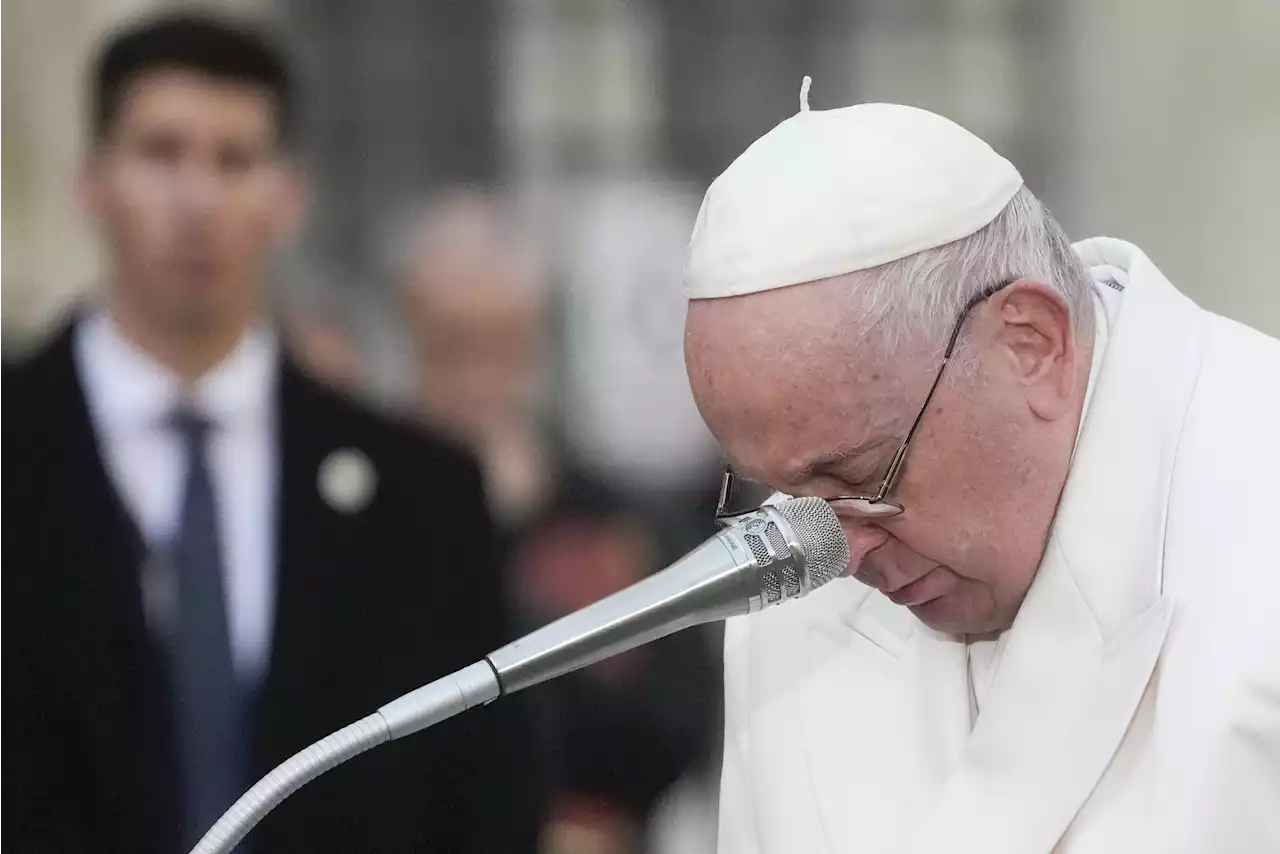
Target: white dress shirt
x=130 y=397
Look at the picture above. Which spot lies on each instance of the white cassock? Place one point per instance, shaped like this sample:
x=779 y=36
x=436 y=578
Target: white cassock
x=1134 y=704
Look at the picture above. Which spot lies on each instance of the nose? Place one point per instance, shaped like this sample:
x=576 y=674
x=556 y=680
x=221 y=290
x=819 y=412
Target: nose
x=863 y=539
x=200 y=190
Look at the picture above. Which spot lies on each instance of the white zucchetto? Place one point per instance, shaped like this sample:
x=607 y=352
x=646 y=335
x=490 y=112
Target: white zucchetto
x=829 y=192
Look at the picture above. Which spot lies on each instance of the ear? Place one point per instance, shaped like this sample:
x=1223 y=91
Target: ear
x=1034 y=339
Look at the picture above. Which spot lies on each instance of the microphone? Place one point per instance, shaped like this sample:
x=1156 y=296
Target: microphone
x=769 y=557
x=773 y=555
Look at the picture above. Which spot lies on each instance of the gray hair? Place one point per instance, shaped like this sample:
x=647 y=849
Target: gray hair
x=920 y=297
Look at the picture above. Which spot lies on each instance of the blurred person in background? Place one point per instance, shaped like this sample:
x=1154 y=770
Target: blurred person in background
x=616 y=736
x=212 y=559
x=324 y=348
x=477 y=311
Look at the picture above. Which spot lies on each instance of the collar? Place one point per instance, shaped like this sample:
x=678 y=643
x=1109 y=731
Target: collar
x=128 y=389
x=1108 y=290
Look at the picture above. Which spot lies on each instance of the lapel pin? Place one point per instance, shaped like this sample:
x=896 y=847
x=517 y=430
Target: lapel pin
x=347 y=480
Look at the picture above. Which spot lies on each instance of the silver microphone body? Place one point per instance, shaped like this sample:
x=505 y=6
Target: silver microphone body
x=765 y=558
x=771 y=556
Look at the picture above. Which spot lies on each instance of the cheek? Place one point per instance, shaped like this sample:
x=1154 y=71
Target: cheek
x=252 y=221
x=959 y=517
x=137 y=208
x=915 y=549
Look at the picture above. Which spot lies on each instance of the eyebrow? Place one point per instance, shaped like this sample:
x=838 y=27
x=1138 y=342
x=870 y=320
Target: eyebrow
x=827 y=461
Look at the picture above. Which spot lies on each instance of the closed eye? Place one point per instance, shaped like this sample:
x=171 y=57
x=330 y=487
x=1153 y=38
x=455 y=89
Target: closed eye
x=860 y=477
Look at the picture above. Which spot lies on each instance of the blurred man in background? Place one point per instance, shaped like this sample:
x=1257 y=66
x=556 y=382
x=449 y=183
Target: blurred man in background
x=212 y=560
x=616 y=736
x=478 y=312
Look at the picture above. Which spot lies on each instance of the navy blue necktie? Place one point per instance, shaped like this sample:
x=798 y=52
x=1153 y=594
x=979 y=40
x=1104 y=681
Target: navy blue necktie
x=211 y=722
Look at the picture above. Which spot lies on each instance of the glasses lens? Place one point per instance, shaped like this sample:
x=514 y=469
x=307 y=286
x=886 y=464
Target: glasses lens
x=739 y=495
x=864 y=508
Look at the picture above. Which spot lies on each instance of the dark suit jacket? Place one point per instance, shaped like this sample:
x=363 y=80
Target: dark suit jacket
x=369 y=605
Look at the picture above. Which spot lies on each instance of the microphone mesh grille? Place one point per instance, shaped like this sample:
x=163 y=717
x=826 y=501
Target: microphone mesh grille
x=758 y=549
x=819 y=533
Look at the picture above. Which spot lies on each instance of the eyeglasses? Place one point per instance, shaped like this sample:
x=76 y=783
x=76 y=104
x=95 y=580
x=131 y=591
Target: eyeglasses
x=740 y=496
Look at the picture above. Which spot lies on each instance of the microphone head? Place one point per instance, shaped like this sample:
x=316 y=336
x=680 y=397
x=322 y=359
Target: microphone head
x=796 y=546
x=820 y=536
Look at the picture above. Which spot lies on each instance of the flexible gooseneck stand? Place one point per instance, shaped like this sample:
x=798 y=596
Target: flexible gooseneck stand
x=421 y=708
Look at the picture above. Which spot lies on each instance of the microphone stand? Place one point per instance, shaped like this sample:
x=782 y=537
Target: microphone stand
x=437 y=701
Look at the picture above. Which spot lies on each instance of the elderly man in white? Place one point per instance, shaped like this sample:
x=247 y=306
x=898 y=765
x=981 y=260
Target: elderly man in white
x=1060 y=627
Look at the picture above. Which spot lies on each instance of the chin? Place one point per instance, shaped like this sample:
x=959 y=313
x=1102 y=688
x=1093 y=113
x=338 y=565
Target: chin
x=205 y=312
x=957 y=614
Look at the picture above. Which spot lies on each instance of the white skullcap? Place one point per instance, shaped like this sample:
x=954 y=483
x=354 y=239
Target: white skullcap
x=829 y=192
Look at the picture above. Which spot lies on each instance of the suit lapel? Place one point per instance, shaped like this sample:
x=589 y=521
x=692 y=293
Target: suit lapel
x=312 y=540
x=313 y=546
x=299 y=569
x=294 y=545
x=120 y=680
x=106 y=562
x=1055 y=716
x=1090 y=632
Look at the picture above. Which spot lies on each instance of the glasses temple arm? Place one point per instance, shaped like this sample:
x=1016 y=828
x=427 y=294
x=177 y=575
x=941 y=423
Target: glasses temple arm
x=896 y=465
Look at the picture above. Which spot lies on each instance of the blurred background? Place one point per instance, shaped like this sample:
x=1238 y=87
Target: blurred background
x=502 y=195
